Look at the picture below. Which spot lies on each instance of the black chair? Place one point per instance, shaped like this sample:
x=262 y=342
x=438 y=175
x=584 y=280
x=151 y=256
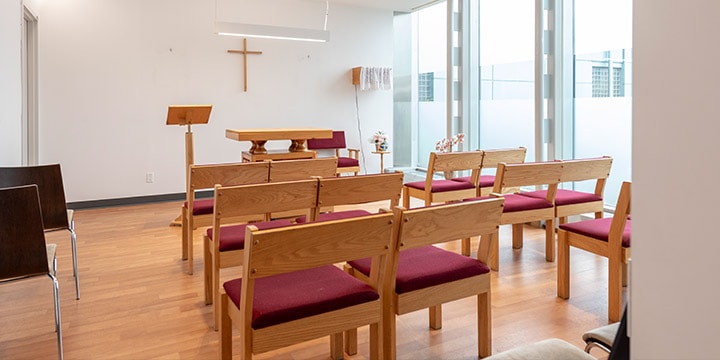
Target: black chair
x=55 y=214
x=23 y=252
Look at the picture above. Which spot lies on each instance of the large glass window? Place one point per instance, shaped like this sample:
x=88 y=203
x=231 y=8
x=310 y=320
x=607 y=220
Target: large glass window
x=507 y=48
x=603 y=67
x=432 y=78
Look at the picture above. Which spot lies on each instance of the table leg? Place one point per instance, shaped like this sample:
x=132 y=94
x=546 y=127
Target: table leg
x=258 y=147
x=297 y=145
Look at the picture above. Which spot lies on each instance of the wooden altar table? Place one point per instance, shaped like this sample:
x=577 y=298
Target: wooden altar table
x=258 y=138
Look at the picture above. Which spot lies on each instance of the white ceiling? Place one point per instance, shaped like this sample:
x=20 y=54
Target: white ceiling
x=396 y=5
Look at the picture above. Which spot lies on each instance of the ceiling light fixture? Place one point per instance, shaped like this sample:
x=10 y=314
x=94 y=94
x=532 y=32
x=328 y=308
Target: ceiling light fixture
x=275 y=32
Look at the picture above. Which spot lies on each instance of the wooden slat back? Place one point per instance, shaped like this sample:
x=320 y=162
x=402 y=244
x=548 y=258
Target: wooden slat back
x=287 y=170
x=264 y=198
x=437 y=224
x=360 y=189
x=299 y=247
x=492 y=157
x=455 y=161
x=206 y=176
x=527 y=174
x=586 y=169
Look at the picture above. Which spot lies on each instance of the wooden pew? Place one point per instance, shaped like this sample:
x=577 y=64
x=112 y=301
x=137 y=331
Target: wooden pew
x=198 y=212
x=226 y=250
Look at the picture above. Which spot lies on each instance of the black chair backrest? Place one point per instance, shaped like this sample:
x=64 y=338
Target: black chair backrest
x=621 y=345
x=48 y=179
x=22 y=239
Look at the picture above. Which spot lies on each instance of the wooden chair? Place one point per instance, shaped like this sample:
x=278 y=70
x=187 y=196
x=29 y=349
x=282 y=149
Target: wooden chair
x=608 y=237
x=520 y=209
x=443 y=190
x=198 y=212
x=56 y=215
x=345 y=164
x=23 y=252
x=291 y=292
x=425 y=276
x=236 y=202
x=491 y=159
x=356 y=190
x=574 y=202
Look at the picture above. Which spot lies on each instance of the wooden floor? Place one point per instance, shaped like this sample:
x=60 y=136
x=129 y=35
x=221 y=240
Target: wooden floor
x=137 y=301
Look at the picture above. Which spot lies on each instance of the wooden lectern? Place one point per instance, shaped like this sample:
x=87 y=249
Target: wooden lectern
x=188 y=115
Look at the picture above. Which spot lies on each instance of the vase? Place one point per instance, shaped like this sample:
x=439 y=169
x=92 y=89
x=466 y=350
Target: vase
x=381 y=146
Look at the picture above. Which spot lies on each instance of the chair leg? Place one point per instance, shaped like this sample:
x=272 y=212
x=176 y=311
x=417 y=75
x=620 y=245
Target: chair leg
x=624 y=274
x=563 y=266
x=517 y=236
x=435 y=318
x=190 y=239
x=484 y=325
x=58 y=321
x=614 y=288
x=495 y=254
x=375 y=341
x=336 y=346
x=207 y=271
x=76 y=273
x=389 y=337
x=549 y=240
x=466 y=243
x=183 y=229
x=350 y=341
x=225 y=329
x=406 y=197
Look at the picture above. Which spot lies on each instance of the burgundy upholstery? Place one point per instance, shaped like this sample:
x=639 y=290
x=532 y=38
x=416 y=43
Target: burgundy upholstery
x=428 y=266
x=598 y=229
x=336 y=215
x=565 y=197
x=485 y=180
x=441 y=185
x=296 y=295
x=337 y=142
x=233 y=237
x=347 y=162
x=516 y=202
x=202 y=206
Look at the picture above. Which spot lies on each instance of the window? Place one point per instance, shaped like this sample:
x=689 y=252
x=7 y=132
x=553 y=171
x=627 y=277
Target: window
x=426 y=86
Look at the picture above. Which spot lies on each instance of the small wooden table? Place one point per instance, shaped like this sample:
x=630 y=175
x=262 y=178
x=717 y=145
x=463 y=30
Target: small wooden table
x=382 y=165
x=258 y=138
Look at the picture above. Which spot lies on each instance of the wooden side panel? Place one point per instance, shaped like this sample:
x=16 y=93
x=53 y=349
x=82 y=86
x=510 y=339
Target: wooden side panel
x=265 y=198
x=207 y=176
x=278 y=251
x=288 y=170
x=360 y=189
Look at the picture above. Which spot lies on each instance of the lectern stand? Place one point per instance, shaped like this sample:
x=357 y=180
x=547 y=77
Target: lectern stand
x=187 y=115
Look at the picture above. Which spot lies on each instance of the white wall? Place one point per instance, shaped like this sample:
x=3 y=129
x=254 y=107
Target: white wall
x=675 y=293
x=10 y=83
x=109 y=69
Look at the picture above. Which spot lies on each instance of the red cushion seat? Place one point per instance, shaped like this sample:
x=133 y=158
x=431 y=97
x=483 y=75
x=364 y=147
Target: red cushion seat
x=232 y=237
x=337 y=215
x=296 y=295
x=517 y=202
x=485 y=180
x=428 y=266
x=347 y=162
x=598 y=229
x=202 y=206
x=442 y=185
x=565 y=197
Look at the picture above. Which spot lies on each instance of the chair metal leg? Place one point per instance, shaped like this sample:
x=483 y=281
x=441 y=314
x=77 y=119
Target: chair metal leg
x=76 y=273
x=58 y=322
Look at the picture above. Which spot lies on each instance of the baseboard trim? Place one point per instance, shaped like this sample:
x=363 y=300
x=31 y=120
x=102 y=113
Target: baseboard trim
x=136 y=200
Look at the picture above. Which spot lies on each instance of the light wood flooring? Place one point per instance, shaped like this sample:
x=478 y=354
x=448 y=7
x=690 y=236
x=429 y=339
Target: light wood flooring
x=138 y=302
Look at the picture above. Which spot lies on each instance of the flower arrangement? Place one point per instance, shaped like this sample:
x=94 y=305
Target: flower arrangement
x=445 y=145
x=380 y=139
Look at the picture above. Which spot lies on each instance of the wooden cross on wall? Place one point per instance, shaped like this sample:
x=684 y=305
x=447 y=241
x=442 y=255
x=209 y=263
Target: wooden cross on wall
x=245 y=53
